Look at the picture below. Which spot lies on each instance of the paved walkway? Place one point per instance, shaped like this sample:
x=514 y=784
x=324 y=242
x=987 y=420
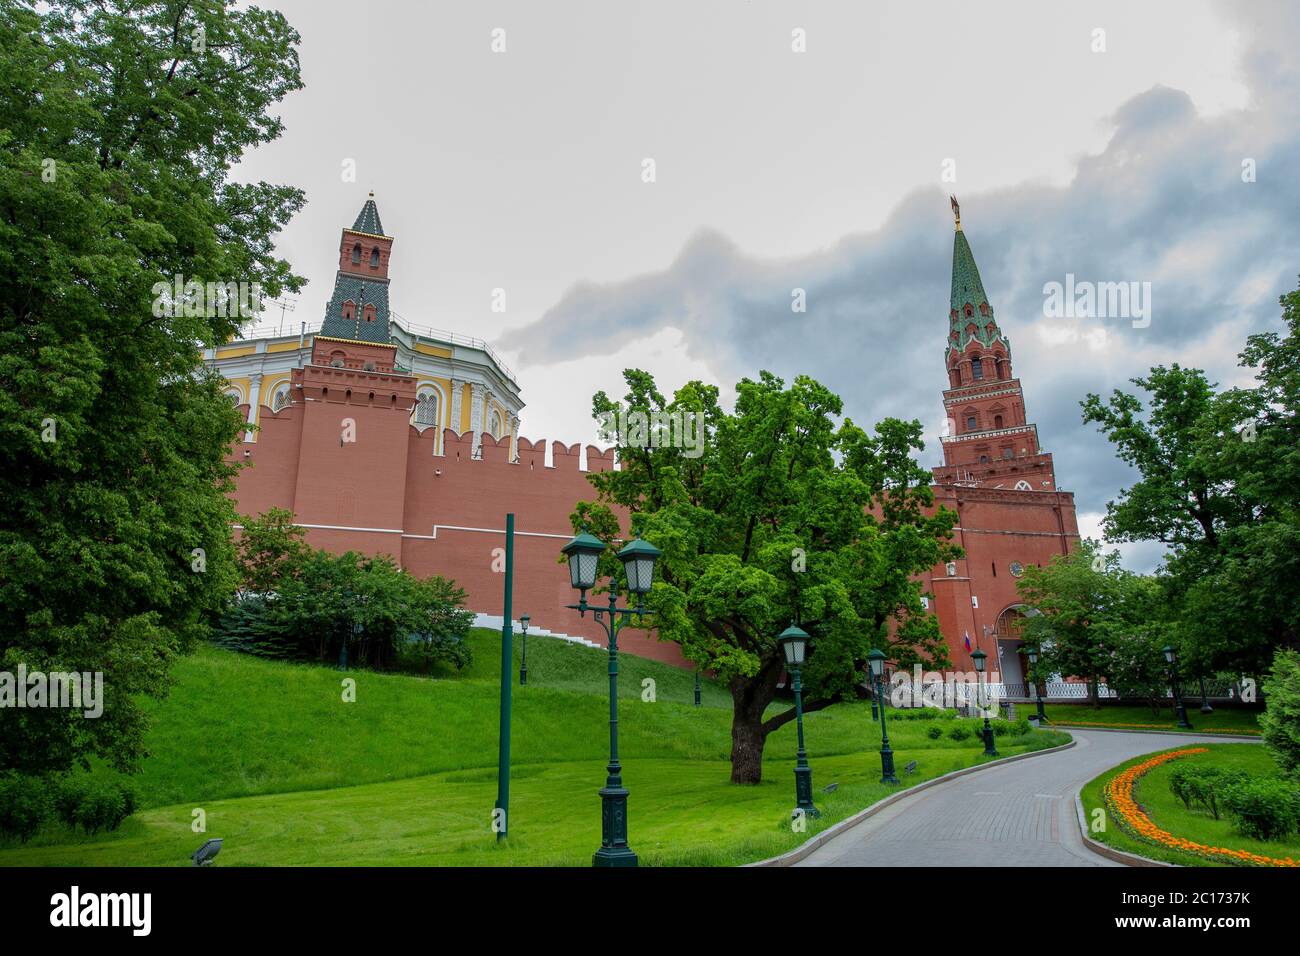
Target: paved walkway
x=1019 y=814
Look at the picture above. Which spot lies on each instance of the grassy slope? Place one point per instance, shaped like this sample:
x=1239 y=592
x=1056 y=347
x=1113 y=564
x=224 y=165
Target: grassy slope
x=289 y=774
x=1167 y=811
x=1223 y=720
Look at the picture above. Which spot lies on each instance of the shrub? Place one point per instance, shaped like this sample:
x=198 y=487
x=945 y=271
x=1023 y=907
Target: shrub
x=1203 y=785
x=1000 y=728
x=92 y=804
x=1023 y=726
x=1263 y=808
x=24 y=805
x=934 y=731
x=958 y=731
x=1281 y=719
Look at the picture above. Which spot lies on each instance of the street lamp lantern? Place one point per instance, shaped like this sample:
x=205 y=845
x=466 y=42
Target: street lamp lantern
x=876 y=661
x=1171 y=657
x=794 y=644
x=639 y=559
x=523 y=658
x=1032 y=654
x=583 y=553
x=989 y=750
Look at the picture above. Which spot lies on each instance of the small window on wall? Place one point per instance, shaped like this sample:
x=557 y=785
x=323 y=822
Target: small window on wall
x=1008 y=453
x=370 y=313
x=235 y=397
x=356 y=254
x=974 y=601
x=976 y=367
x=494 y=425
x=349 y=309
x=280 y=399
x=970 y=423
x=374 y=258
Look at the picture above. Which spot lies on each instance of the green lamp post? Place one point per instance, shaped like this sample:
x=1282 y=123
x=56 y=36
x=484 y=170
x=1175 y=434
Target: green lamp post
x=1032 y=654
x=523 y=659
x=638 y=558
x=989 y=750
x=794 y=645
x=877 y=661
x=1171 y=658
x=697 y=685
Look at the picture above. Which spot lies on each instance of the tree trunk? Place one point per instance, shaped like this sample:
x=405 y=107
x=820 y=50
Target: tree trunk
x=747 y=740
x=750 y=697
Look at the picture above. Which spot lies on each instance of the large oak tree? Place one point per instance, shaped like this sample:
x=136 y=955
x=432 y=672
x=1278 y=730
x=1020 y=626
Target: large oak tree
x=787 y=514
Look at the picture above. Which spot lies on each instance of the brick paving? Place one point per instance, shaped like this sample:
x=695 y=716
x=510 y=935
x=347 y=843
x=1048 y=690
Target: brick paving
x=1020 y=814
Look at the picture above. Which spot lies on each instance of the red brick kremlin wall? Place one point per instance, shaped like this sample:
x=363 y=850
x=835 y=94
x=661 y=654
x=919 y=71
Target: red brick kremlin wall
x=387 y=493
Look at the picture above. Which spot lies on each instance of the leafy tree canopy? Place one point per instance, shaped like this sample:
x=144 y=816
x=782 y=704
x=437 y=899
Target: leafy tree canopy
x=784 y=516
x=119 y=122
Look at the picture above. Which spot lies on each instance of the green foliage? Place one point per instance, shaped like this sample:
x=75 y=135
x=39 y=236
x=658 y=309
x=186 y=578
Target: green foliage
x=1218 y=477
x=1096 y=620
x=1203 y=785
x=1281 y=719
x=1265 y=808
x=959 y=731
x=270 y=550
x=786 y=515
x=116 y=135
x=322 y=600
x=25 y=805
x=93 y=803
x=934 y=731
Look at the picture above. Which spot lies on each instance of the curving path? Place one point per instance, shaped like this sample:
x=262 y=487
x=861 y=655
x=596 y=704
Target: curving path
x=1019 y=814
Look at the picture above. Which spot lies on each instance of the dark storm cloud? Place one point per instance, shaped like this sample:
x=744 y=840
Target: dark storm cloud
x=1164 y=202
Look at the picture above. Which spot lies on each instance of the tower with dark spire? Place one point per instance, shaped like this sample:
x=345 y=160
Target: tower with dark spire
x=988 y=440
x=358 y=309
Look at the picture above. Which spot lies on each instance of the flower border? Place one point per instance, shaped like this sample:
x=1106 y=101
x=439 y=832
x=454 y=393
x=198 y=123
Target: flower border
x=1118 y=797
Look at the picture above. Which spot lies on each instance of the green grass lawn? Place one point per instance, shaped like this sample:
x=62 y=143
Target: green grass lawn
x=1167 y=811
x=287 y=773
x=1223 y=720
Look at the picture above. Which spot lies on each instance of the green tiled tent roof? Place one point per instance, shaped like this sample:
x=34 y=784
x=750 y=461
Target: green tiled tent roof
x=362 y=293
x=368 y=219
x=968 y=289
x=966 y=284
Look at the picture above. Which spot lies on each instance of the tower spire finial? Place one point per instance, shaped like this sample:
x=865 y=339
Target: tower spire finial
x=956 y=210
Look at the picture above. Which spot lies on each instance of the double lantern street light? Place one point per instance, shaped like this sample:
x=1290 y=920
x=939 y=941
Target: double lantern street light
x=523 y=659
x=638 y=558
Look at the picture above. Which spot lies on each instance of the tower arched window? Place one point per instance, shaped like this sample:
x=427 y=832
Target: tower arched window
x=997 y=421
x=281 y=398
x=349 y=309
x=369 y=313
x=234 y=397
x=356 y=254
x=976 y=367
x=426 y=409
x=971 y=423
x=374 y=258
x=494 y=425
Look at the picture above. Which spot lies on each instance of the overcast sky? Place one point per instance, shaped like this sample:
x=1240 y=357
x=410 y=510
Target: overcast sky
x=822 y=170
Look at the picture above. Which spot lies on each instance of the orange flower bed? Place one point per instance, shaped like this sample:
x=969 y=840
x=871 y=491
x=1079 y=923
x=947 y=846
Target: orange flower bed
x=1118 y=794
x=1240 y=731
